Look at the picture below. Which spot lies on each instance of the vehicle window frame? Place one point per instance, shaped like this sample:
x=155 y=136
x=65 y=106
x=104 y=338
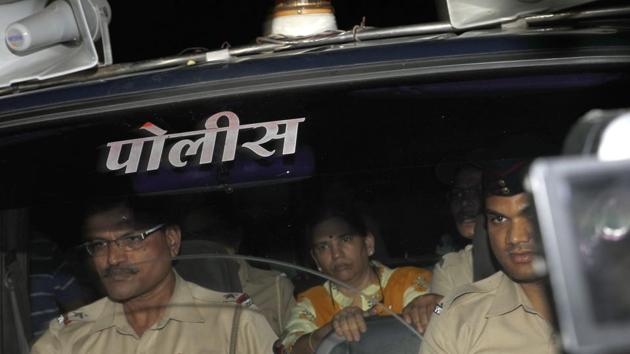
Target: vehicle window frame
x=265 y=77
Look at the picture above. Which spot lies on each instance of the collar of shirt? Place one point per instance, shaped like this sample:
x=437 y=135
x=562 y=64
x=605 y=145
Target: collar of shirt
x=509 y=296
x=371 y=293
x=180 y=308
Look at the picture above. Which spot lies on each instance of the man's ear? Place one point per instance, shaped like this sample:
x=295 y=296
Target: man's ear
x=370 y=243
x=173 y=239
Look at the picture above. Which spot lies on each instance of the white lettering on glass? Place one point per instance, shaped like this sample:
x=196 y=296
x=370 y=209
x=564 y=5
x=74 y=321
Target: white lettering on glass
x=201 y=143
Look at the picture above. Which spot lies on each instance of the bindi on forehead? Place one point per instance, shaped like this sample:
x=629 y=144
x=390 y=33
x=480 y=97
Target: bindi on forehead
x=336 y=236
x=330 y=237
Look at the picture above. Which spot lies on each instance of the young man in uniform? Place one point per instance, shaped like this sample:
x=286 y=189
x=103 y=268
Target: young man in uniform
x=507 y=312
x=149 y=307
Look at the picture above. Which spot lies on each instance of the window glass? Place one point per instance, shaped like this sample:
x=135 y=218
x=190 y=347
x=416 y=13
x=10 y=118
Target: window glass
x=380 y=148
x=376 y=146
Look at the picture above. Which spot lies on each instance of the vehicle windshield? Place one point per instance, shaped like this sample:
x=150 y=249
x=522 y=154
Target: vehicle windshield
x=249 y=173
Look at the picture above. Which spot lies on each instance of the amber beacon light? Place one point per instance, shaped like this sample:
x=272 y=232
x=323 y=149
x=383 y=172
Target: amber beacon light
x=300 y=18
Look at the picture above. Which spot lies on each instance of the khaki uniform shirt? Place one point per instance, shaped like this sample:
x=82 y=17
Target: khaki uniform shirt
x=491 y=316
x=197 y=321
x=454 y=270
x=271 y=292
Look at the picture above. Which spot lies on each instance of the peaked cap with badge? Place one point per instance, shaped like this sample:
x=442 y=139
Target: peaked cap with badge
x=507 y=163
x=505 y=177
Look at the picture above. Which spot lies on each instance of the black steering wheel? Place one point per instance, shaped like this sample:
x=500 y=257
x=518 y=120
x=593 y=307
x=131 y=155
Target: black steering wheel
x=383 y=335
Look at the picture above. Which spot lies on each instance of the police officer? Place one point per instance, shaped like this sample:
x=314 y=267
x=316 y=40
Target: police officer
x=149 y=308
x=455 y=268
x=507 y=312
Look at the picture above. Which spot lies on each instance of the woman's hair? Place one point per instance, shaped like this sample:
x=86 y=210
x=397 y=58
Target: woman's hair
x=354 y=219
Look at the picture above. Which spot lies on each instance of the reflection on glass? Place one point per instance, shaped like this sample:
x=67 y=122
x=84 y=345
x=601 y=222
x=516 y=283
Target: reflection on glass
x=601 y=209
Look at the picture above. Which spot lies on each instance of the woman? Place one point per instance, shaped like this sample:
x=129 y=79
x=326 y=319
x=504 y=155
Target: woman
x=341 y=246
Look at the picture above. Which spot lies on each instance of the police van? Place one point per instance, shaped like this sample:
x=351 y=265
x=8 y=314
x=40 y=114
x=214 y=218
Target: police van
x=365 y=117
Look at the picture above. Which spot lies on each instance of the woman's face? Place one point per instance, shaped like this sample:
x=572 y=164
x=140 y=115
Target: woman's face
x=340 y=251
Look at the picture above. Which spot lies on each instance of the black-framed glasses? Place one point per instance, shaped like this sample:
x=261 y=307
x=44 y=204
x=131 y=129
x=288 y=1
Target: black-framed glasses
x=128 y=243
x=458 y=194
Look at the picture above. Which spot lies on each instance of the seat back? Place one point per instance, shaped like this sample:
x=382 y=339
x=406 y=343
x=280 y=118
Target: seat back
x=484 y=262
x=216 y=274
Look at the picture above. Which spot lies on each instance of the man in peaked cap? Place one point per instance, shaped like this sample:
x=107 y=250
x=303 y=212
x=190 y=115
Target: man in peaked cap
x=507 y=312
x=455 y=268
x=476 y=262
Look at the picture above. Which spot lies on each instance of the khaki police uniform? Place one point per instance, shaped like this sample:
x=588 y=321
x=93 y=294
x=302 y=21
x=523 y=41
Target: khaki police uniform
x=491 y=316
x=271 y=292
x=196 y=321
x=454 y=270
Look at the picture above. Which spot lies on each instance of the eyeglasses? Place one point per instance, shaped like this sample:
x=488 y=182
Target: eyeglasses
x=458 y=194
x=128 y=243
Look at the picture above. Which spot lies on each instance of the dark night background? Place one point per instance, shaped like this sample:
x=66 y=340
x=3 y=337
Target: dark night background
x=151 y=29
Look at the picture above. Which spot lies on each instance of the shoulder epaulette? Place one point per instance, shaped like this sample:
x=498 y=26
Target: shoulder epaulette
x=73 y=316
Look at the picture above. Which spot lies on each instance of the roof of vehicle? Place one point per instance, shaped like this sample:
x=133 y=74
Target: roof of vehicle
x=581 y=38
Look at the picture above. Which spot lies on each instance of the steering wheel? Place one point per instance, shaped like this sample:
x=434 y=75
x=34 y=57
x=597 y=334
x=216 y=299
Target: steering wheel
x=383 y=335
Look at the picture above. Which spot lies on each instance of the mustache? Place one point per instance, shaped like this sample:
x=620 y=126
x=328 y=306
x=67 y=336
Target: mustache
x=113 y=271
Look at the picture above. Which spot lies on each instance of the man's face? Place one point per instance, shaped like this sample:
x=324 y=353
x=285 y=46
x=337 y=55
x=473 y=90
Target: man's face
x=512 y=235
x=127 y=274
x=465 y=200
x=341 y=252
